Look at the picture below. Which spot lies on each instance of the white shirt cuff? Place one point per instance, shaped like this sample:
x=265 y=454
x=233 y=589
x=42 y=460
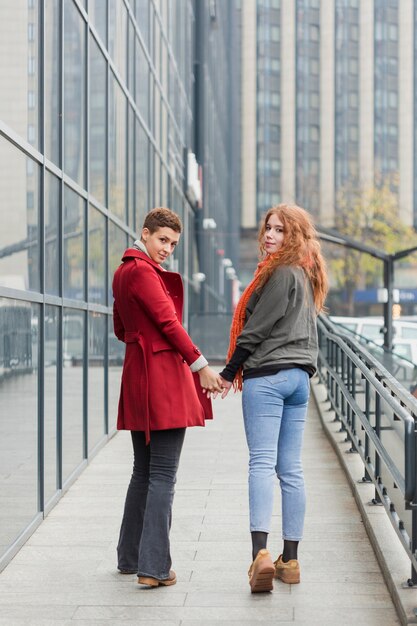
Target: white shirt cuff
x=198 y=364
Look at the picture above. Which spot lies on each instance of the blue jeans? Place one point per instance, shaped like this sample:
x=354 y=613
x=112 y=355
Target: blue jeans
x=274 y=412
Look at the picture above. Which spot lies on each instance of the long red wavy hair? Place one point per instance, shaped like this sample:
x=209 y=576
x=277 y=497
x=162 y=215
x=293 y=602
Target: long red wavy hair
x=300 y=247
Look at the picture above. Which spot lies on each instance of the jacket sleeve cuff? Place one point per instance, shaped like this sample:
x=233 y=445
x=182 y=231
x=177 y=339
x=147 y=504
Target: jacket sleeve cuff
x=198 y=364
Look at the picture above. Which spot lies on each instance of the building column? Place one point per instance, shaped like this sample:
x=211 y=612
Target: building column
x=366 y=90
x=288 y=101
x=249 y=92
x=327 y=113
x=406 y=109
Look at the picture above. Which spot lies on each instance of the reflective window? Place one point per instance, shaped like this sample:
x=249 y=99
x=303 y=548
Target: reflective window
x=74 y=92
x=19 y=56
x=50 y=401
x=96 y=343
x=52 y=248
x=96 y=257
x=97 y=10
x=19 y=322
x=142 y=82
x=19 y=233
x=118 y=35
x=74 y=228
x=51 y=65
x=72 y=391
x=117 y=246
x=97 y=125
x=117 y=149
x=131 y=169
x=142 y=18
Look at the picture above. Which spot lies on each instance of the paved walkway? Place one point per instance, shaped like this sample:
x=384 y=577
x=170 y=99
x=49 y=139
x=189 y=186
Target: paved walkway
x=65 y=574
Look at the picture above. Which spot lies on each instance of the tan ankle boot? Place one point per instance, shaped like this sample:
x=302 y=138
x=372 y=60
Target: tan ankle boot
x=288 y=572
x=261 y=572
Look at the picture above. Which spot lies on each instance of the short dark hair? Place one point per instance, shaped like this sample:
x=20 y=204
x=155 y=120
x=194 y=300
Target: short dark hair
x=160 y=217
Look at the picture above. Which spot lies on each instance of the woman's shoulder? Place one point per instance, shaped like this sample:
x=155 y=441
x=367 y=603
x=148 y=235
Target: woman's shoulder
x=289 y=272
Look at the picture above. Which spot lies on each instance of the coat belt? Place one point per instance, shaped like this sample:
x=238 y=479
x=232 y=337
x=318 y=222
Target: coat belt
x=136 y=337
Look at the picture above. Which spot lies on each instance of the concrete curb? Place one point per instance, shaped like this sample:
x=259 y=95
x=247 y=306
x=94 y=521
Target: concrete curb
x=393 y=561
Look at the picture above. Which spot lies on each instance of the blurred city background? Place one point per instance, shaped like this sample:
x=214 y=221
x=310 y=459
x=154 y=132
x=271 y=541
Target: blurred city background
x=218 y=109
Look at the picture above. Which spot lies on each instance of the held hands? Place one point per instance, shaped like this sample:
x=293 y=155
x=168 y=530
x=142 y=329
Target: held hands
x=226 y=386
x=210 y=381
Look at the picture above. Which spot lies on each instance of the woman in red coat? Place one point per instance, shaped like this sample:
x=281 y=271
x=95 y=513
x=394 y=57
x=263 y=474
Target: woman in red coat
x=164 y=382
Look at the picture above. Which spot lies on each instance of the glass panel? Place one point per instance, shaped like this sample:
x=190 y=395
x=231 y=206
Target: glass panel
x=116 y=356
x=98 y=15
x=142 y=175
x=142 y=18
x=142 y=82
x=19 y=221
x=117 y=149
x=51 y=64
x=51 y=234
x=19 y=426
x=73 y=245
x=96 y=342
x=118 y=35
x=117 y=246
x=72 y=391
x=96 y=257
x=97 y=126
x=131 y=169
x=50 y=401
x=19 y=67
x=74 y=93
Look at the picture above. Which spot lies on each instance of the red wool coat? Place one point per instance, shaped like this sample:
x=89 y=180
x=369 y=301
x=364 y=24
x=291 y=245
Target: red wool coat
x=158 y=389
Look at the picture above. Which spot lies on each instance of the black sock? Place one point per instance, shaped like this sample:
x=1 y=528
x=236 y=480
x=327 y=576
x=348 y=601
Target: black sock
x=259 y=540
x=290 y=550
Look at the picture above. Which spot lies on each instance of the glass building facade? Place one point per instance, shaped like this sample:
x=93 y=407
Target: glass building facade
x=97 y=113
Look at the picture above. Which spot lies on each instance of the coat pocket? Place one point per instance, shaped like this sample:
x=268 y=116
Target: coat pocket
x=161 y=344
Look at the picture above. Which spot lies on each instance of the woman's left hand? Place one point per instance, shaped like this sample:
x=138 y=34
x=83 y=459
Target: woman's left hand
x=226 y=386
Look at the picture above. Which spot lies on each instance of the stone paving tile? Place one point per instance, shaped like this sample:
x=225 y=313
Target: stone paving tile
x=66 y=573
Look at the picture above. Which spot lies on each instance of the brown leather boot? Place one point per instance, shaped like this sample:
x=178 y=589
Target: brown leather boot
x=261 y=572
x=288 y=572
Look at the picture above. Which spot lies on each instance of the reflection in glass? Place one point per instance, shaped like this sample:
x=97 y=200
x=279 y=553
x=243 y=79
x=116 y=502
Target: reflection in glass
x=97 y=126
x=142 y=82
x=117 y=246
x=131 y=169
x=142 y=175
x=51 y=60
x=19 y=233
x=116 y=355
x=51 y=234
x=118 y=35
x=117 y=149
x=97 y=10
x=96 y=257
x=72 y=391
x=73 y=245
x=96 y=343
x=50 y=401
x=19 y=427
x=19 y=36
x=74 y=92
x=142 y=18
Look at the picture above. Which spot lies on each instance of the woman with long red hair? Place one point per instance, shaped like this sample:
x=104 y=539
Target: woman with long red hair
x=272 y=355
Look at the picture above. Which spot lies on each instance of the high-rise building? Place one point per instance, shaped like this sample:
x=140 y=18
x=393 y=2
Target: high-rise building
x=107 y=109
x=328 y=92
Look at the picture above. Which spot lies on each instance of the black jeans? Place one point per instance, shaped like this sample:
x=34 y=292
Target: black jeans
x=144 y=534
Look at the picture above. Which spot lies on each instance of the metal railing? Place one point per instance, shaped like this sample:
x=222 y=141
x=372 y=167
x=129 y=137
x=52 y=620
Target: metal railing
x=379 y=417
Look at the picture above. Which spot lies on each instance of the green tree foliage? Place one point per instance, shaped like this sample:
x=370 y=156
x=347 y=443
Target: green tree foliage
x=369 y=216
